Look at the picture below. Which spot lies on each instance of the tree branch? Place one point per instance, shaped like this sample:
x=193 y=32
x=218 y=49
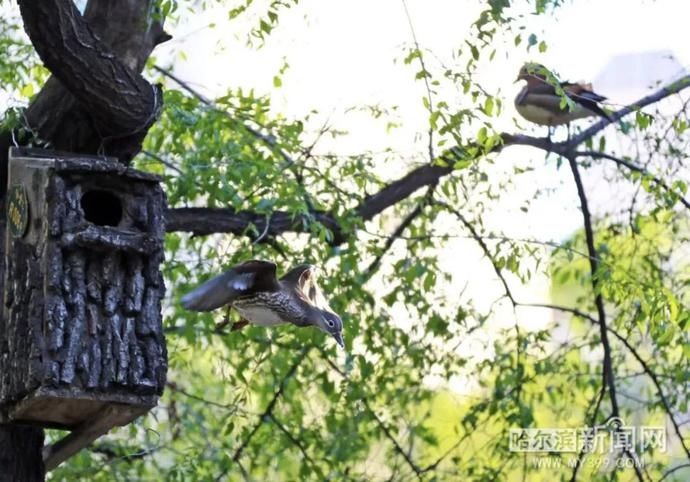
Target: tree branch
x=660 y=94
x=415 y=468
x=608 y=376
x=404 y=224
x=655 y=380
x=96 y=99
x=635 y=168
x=219 y=220
x=268 y=412
x=202 y=221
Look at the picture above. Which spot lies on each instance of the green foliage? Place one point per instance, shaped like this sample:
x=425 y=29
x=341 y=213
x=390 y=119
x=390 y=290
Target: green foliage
x=20 y=73
x=432 y=380
x=267 y=21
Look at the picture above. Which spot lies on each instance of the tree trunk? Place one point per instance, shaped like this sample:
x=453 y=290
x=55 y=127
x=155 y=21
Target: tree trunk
x=20 y=446
x=20 y=454
x=105 y=106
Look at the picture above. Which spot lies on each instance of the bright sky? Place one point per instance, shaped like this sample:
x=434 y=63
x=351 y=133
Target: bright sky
x=347 y=53
x=343 y=54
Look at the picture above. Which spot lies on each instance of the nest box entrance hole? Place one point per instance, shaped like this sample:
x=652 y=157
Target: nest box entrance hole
x=102 y=208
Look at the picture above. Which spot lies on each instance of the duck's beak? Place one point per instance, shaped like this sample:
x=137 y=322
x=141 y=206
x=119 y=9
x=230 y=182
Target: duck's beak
x=339 y=339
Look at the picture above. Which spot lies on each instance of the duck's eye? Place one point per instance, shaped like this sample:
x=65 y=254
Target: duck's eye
x=330 y=323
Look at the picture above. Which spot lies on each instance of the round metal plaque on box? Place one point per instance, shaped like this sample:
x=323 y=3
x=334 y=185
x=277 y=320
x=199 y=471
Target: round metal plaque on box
x=18 y=210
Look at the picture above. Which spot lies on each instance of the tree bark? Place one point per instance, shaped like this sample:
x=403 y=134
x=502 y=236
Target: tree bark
x=20 y=454
x=202 y=221
x=96 y=102
x=20 y=446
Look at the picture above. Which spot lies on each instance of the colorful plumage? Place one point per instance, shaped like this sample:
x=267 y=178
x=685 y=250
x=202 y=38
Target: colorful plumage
x=541 y=102
x=253 y=290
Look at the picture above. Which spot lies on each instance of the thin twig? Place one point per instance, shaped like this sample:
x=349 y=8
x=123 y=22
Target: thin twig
x=596 y=404
x=294 y=440
x=635 y=168
x=429 y=96
x=404 y=224
x=269 y=409
x=395 y=235
x=655 y=380
x=674 y=469
x=415 y=468
x=176 y=388
x=485 y=248
x=566 y=309
x=267 y=139
x=162 y=161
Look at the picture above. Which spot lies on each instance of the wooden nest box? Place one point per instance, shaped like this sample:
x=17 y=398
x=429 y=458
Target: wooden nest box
x=81 y=340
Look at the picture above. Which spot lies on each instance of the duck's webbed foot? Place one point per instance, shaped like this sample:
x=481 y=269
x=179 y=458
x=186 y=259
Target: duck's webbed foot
x=238 y=325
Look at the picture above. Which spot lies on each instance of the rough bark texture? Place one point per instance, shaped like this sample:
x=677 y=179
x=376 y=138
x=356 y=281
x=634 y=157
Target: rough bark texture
x=20 y=454
x=202 y=221
x=20 y=446
x=96 y=100
x=218 y=220
x=57 y=115
x=82 y=314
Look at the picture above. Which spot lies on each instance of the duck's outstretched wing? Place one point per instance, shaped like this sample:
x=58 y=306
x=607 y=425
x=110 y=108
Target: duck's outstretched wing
x=304 y=278
x=243 y=279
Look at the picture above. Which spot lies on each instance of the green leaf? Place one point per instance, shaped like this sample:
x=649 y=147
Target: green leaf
x=489 y=106
x=643 y=120
x=27 y=91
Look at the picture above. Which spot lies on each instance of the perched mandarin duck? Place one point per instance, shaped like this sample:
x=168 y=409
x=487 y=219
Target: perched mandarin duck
x=540 y=101
x=262 y=299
